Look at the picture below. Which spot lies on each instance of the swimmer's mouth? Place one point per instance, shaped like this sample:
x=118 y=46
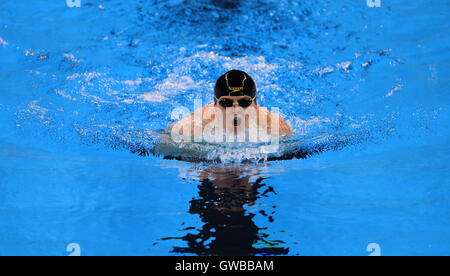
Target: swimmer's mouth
x=236 y=122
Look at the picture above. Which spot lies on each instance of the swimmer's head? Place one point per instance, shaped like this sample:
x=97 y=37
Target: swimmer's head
x=235 y=83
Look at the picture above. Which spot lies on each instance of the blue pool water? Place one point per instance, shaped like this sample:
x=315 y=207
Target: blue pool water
x=84 y=90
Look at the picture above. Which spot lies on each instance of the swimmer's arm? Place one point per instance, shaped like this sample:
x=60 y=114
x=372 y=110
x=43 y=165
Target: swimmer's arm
x=285 y=128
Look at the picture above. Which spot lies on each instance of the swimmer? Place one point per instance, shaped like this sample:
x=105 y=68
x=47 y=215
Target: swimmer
x=234 y=110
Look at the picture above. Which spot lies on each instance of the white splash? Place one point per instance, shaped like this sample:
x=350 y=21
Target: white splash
x=175 y=82
x=345 y=65
x=395 y=89
x=135 y=82
x=87 y=76
x=324 y=71
x=153 y=97
x=3 y=42
x=71 y=57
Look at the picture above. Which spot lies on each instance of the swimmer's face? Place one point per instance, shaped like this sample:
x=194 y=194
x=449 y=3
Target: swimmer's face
x=236 y=109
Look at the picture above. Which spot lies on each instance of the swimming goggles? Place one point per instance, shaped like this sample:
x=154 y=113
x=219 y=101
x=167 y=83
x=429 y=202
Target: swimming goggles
x=243 y=102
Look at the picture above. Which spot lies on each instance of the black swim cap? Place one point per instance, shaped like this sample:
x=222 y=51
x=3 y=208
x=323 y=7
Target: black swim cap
x=235 y=83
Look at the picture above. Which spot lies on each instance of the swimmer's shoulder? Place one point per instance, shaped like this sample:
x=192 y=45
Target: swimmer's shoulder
x=264 y=111
x=285 y=128
x=206 y=111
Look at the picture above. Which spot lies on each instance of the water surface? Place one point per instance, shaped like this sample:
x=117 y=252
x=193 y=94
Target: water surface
x=83 y=90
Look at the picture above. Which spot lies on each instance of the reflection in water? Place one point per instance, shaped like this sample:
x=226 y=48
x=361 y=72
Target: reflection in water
x=228 y=226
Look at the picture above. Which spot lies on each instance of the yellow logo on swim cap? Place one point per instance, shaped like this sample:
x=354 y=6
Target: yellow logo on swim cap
x=235 y=89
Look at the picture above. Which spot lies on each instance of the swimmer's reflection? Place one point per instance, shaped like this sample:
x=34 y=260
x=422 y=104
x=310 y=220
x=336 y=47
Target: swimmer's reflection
x=228 y=227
